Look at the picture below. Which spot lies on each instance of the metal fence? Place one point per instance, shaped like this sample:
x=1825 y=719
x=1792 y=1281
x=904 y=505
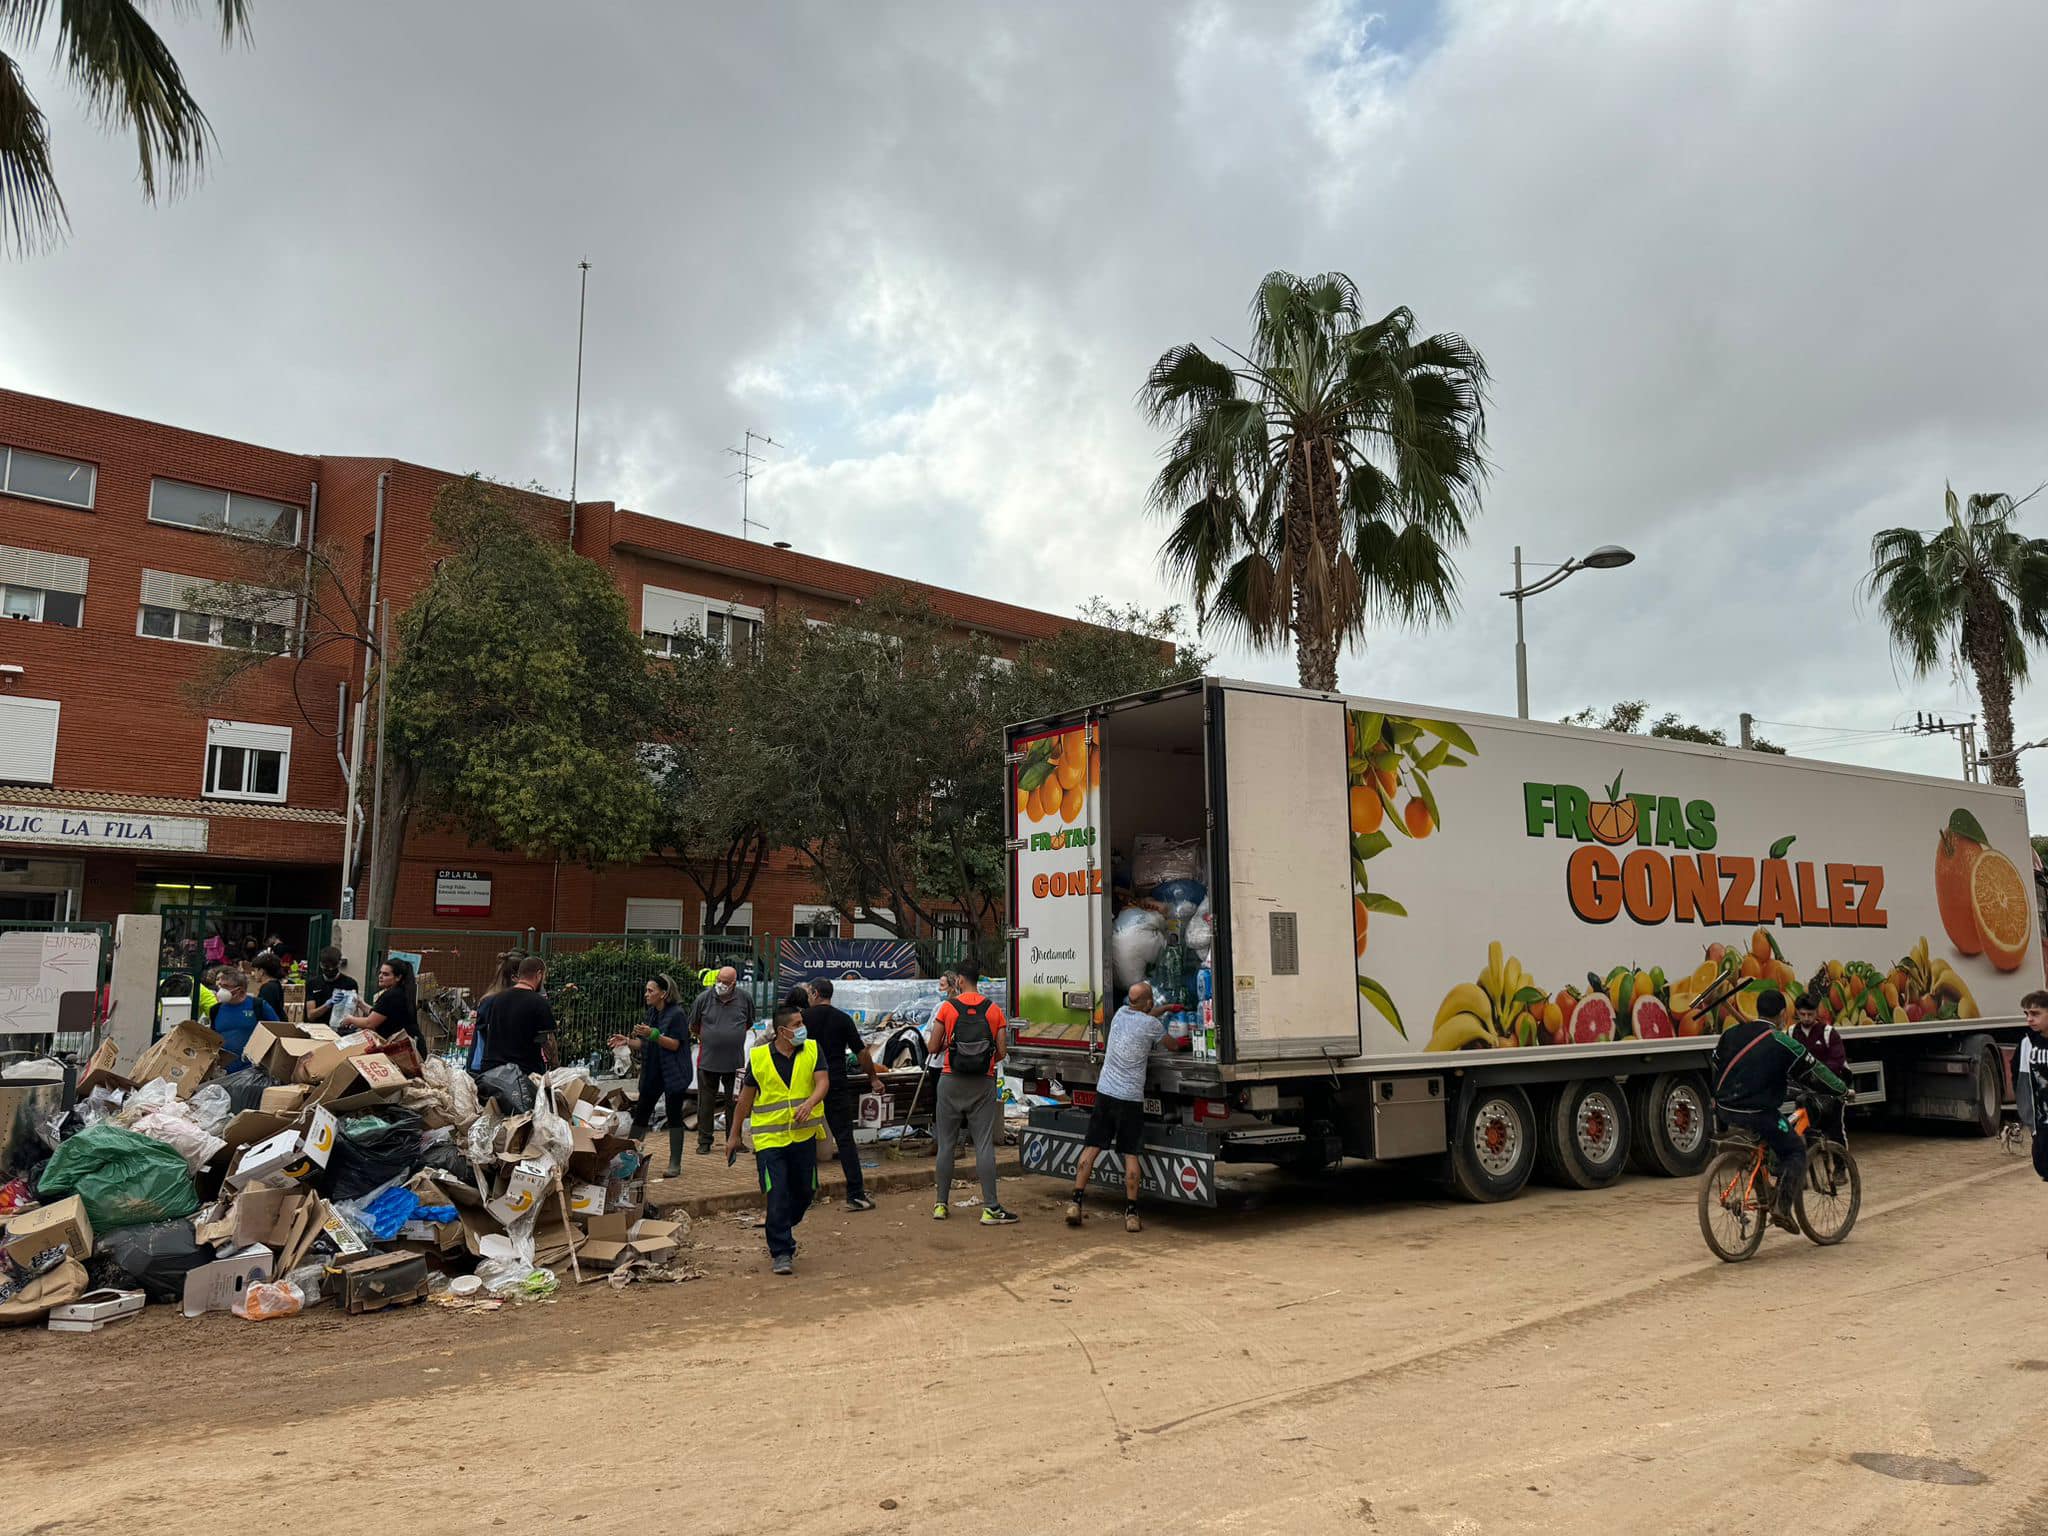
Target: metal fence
x=597 y=981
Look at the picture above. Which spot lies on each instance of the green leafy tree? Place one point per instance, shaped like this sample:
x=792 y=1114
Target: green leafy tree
x=520 y=698
x=1975 y=591
x=1627 y=718
x=892 y=723
x=1318 y=485
x=130 y=82
x=724 y=789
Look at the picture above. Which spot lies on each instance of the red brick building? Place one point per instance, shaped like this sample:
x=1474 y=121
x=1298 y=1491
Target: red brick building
x=119 y=792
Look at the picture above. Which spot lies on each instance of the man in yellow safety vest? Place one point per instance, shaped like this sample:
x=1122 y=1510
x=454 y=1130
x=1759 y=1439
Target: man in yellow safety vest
x=779 y=1101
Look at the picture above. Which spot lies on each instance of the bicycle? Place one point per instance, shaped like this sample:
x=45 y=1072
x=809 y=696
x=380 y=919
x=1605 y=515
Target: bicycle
x=1738 y=1191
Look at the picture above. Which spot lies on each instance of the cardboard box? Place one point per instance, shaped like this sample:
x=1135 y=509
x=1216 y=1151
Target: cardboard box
x=101 y=1306
x=99 y=1072
x=521 y=1189
x=183 y=1058
x=365 y=1075
x=254 y=1125
x=323 y=1063
x=586 y=1200
x=339 y=1232
x=402 y=1054
x=216 y=1287
x=277 y=1048
x=269 y=1215
x=294 y=992
x=286 y=1099
x=373 y=1281
x=61 y=1221
x=656 y=1241
x=264 y=1158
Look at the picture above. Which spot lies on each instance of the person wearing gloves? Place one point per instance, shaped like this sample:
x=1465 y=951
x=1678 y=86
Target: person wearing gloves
x=662 y=1042
x=720 y=1021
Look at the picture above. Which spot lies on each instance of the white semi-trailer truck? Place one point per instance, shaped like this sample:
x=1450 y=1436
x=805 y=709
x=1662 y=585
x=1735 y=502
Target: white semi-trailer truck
x=1475 y=944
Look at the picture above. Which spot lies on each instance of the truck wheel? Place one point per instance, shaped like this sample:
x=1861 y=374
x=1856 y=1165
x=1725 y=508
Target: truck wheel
x=1673 y=1125
x=1987 y=1083
x=1494 y=1149
x=1585 y=1136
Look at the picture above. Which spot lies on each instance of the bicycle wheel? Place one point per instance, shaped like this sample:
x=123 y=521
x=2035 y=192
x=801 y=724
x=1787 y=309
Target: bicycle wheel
x=1732 y=1216
x=1832 y=1195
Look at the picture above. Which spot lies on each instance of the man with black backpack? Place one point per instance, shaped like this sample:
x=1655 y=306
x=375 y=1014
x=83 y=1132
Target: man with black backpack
x=968 y=1028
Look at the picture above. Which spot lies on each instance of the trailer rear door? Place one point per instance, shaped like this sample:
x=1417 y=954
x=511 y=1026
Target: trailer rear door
x=1292 y=964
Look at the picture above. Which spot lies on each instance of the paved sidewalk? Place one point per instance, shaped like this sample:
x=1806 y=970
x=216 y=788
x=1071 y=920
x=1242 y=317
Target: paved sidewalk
x=707 y=1186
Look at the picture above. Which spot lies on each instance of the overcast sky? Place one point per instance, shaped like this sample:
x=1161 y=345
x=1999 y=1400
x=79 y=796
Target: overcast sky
x=1754 y=280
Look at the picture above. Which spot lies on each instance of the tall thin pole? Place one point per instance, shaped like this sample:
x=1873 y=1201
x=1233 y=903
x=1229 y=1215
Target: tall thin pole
x=1521 y=646
x=378 y=852
x=576 y=420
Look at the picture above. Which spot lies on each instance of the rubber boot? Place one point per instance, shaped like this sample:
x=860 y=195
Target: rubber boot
x=678 y=1133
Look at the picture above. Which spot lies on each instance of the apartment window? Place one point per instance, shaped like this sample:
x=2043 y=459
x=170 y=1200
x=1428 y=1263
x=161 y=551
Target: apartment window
x=211 y=629
x=41 y=607
x=814 y=923
x=196 y=506
x=28 y=740
x=46 y=477
x=41 y=588
x=247 y=762
x=734 y=631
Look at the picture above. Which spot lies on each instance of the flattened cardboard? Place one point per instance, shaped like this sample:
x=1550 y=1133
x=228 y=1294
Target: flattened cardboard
x=252 y=1126
x=269 y=1215
x=307 y=1222
x=216 y=1287
x=60 y=1221
x=182 y=1058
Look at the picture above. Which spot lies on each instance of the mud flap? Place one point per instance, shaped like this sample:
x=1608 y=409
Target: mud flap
x=1180 y=1174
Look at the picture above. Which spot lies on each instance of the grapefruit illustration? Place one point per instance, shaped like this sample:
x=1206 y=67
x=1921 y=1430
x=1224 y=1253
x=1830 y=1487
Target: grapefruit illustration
x=1593 y=1020
x=1652 y=1020
x=1613 y=820
x=1956 y=853
x=1998 y=905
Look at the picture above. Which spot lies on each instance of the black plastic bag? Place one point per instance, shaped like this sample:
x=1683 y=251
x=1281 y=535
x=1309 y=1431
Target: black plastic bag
x=446 y=1157
x=155 y=1258
x=508 y=1087
x=246 y=1087
x=366 y=1158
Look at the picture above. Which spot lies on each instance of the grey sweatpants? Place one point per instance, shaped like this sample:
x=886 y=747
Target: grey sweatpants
x=970 y=1102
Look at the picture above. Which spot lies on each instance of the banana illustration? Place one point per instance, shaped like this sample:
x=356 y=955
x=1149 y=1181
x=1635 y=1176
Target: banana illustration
x=1459 y=1031
x=1465 y=997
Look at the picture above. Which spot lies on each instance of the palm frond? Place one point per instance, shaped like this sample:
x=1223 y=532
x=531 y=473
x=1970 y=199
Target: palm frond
x=31 y=210
x=131 y=82
x=1185 y=378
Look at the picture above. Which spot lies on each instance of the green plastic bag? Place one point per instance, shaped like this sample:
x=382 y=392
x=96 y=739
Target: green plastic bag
x=124 y=1179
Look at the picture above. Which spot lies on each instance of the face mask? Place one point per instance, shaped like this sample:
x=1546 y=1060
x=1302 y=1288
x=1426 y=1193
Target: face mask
x=723 y=990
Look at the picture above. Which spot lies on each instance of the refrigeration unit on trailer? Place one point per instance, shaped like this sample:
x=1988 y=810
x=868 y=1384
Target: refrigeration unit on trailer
x=1401 y=933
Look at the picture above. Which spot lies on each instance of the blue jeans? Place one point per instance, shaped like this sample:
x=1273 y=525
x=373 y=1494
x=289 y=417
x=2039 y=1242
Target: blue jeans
x=789 y=1177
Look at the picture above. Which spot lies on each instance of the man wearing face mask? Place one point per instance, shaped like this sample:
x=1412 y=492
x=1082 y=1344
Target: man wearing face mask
x=719 y=1021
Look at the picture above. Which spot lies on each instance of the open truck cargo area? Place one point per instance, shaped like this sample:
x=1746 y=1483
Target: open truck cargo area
x=1501 y=946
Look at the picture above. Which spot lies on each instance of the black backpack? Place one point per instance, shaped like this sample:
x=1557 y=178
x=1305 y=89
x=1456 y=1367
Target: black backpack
x=973 y=1045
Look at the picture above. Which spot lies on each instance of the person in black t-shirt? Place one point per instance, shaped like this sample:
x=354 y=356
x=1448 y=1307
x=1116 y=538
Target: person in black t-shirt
x=271 y=989
x=324 y=980
x=838 y=1041
x=522 y=1022
x=396 y=1011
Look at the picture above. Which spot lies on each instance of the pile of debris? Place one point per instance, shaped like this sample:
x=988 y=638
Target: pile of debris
x=327 y=1167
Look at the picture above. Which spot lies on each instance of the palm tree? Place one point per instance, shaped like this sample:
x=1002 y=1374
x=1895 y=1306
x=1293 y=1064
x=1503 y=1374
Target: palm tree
x=130 y=82
x=1976 y=590
x=1319 y=484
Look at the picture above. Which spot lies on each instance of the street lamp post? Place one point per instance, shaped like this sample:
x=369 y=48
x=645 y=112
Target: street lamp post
x=1606 y=558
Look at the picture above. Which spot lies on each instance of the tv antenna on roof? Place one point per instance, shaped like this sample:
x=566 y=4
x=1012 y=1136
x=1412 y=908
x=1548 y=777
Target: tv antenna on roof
x=746 y=472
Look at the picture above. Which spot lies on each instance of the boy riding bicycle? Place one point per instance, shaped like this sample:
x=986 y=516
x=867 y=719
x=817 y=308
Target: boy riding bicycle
x=1753 y=1067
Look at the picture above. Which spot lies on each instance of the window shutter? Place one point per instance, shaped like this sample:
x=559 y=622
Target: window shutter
x=167 y=589
x=663 y=612
x=240 y=733
x=36 y=568
x=28 y=740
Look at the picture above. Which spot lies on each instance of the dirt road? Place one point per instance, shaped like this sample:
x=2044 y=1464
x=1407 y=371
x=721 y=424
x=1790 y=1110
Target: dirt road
x=1355 y=1356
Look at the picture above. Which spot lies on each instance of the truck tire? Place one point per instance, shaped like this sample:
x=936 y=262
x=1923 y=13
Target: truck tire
x=1674 y=1129
x=1493 y=1150
x=1585 y=1134
x=1987 y=1083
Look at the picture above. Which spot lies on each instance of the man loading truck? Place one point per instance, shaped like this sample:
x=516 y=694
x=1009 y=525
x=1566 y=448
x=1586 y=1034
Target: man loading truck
x=1118 y=1118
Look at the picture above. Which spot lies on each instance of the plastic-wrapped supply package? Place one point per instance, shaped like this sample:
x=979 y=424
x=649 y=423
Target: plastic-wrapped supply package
x=1135 y=943
x=174 y=1130
x=1180 y=899
x=1199 y=933
x=262 y=1300
x=442 y=1093
x=508 y=1087
x=211 y=1108
x=1156 y=859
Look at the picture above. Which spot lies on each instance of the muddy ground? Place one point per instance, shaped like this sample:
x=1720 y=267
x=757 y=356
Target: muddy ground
x=1352 y=1355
